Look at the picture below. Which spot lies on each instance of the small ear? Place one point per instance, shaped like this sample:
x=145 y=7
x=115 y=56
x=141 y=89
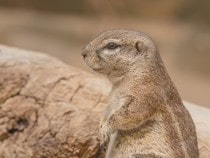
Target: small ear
x=140 y=47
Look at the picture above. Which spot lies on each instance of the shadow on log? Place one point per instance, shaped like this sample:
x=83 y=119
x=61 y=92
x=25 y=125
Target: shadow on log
x=50 y=109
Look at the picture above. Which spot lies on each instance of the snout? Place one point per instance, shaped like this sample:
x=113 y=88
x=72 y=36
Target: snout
x=84 y=54
x=85 y=51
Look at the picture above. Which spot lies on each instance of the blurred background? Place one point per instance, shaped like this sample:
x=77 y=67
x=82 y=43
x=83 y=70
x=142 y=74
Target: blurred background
x=181 y=30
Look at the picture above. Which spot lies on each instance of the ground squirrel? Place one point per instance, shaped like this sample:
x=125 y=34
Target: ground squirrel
x=145 y=116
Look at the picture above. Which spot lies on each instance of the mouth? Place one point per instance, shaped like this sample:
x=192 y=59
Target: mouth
x=97 y=69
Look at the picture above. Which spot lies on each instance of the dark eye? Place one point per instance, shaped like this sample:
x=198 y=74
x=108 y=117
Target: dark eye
x=112 y=46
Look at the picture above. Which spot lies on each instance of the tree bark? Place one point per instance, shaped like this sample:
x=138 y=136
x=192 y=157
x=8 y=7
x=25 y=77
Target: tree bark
x=50 y=109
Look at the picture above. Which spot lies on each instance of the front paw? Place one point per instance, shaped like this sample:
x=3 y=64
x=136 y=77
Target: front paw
x=104 y=146
x=105 y=132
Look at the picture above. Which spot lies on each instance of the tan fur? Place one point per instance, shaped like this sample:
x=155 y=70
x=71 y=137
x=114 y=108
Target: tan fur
x=145 y=116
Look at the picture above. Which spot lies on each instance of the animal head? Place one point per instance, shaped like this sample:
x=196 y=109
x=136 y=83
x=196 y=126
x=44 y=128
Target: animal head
x=115 y=51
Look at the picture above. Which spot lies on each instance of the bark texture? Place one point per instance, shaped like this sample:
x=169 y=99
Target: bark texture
x=50 y=109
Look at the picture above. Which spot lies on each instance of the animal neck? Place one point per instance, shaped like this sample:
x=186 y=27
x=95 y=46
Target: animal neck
x=120 y=77
x=115 y=78
x=145 y=71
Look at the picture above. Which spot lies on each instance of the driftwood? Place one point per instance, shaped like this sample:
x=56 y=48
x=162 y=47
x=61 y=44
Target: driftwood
x=50 y=109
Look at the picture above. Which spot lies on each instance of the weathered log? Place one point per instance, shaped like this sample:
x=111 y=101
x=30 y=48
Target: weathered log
x=50 y=109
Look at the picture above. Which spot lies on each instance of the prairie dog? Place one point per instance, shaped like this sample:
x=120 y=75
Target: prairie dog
x=145 y=116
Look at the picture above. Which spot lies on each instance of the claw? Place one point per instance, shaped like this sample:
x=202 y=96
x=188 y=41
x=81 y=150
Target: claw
x=103 y=147
x=105 y=132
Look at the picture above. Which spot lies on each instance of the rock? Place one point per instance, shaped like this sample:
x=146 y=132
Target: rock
x=50 y=109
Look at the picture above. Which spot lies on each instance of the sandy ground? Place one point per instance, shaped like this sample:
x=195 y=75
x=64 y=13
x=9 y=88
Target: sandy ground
x=184 y=47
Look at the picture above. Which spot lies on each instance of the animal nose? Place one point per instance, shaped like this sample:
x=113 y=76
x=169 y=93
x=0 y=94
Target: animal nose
x=84 y=54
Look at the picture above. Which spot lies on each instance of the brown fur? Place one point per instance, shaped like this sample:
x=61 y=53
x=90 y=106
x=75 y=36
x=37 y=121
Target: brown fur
x=145 y=116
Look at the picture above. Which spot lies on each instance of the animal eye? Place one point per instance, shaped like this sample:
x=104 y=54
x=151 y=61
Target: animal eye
x=112 y=46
